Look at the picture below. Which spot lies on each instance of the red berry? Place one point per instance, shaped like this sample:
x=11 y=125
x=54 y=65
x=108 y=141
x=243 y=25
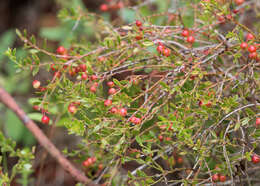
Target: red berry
x=77 y=69
x=160 y=48
x=36 y=107
x=111 y=91
x=208 y=104
x=93 y=77
x=100 y=166
x=36 y=84
x=251 y=49
x=180 y=160
x=229 y=16
x=93 y=88
x=200 y=103
x=113 y=110
x=72 y=71
x=103 y=7
x=53 y=67
x=120 y=5
x=138 y=23
x=61 y=50
x=72 y=108
x=95 y=84
x=221 y=19
x=190 y=39
x=110 y=84
x=185 y=33
x=167 y=52
x=249 y=36
x=108 y=102
x=123 y=112
x=243 y=45
x=160 y=138
x=56 y=74
x=257 y=122
x=253 y=55
x=65 y=66
x=138 y=37
x=42 y=89
x=86 y=163
x=255 y=159
x=83 y=67
x=222 y=178
x=215 y=177
x=239 y=2
x=84 y=76
x=94 y=159
x=135 y=120
x=235 y=11
x=45 y=119
x=102 y=58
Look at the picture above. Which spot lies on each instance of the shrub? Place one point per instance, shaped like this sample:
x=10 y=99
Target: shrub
x=171 y=97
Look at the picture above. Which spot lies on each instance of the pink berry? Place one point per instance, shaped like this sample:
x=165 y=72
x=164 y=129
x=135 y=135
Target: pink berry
x=123 y=112
x=111 y=91
x=103 y=7
x=160 y=48
x=113 y=110
x=61 y=50
x=239 y=2
x=215 y=177
x=253 y=55
x=83 y=67
x=84 y=76
x=167 y=52
x=36 y=84
x=93 y=89
x=190 y=39
x=243 y=45
x=257 y=122
x=93 y=77
x=72 y=108
x=108 y=102
x=249 y=36
x=251 y=49
x=185 y=33
x=110 y=84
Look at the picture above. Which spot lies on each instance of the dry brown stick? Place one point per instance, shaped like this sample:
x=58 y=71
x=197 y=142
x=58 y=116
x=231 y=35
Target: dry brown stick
x=7 y=100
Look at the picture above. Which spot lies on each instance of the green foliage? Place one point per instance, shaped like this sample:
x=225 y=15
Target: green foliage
x=22 y=167
x=198 y=103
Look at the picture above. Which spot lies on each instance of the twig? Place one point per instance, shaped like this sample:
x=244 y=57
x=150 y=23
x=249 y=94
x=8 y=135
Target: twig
x=226 y=155
x=155 y=158
x=9 y=102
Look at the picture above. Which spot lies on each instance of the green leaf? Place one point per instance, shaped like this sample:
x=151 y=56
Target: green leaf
x=35 y=116
x=237 y=126
x=139 y=140
x=6 y=40
x=14 y=127
x=75 y=127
